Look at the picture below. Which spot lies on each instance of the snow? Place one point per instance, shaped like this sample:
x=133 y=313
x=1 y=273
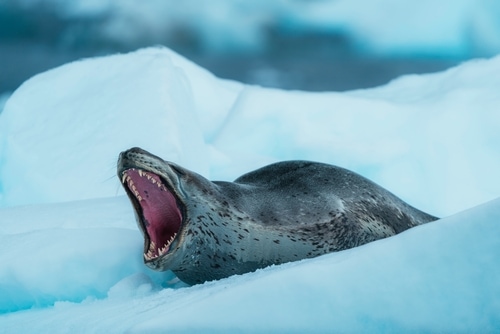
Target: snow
x=114 y=94
x=70 y=251
x=425 y=138
x=3 y=99
x=440 y=277
x=68 y=239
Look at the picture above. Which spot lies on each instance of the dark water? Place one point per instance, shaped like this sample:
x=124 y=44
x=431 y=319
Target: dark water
x=318 y=73
x=35 y=38
x=314 y=72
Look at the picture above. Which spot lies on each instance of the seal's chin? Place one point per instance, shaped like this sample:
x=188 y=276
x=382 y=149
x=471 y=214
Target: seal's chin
x=157 y=209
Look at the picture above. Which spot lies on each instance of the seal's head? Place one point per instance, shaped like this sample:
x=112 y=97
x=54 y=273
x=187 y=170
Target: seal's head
x=156 y=190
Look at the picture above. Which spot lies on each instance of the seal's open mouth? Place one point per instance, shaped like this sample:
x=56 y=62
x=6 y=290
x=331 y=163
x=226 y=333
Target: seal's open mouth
x=157 y=208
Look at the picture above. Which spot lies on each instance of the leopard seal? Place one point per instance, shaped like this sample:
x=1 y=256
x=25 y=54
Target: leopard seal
x=206 y=230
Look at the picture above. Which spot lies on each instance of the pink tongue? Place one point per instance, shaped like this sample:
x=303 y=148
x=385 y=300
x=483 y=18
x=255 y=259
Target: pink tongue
x=162 y=215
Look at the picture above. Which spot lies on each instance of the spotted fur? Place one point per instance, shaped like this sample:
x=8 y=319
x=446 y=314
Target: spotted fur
x=283 y=212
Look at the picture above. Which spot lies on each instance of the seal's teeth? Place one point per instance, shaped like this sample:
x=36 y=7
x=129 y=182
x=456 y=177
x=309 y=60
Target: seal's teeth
x=148 y=176
x=134 y=189
x=163 y=250
x=139 y=198
x=171 y=239
x=155 y=252
x=141 y=173
x=124 y=178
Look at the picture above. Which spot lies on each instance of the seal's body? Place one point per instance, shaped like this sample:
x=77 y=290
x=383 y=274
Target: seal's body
x=204 y=230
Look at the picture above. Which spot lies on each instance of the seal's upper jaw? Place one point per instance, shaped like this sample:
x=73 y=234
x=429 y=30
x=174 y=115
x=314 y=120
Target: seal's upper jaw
x=159 y=212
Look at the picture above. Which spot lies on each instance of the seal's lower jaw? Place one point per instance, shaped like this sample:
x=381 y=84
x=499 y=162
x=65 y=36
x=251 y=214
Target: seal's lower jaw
x=159 y=212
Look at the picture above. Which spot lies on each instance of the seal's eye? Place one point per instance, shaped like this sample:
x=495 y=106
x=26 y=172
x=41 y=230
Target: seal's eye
x=157 y=208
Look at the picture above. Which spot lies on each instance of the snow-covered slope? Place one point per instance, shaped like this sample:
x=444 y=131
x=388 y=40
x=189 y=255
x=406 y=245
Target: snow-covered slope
x=433 y=139
x=70 y=253
x=439 y=277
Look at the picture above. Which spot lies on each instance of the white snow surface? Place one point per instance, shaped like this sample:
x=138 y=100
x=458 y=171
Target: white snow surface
x=440 y=277
x=3 y=99
x=432 y=139
x=71 y=254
